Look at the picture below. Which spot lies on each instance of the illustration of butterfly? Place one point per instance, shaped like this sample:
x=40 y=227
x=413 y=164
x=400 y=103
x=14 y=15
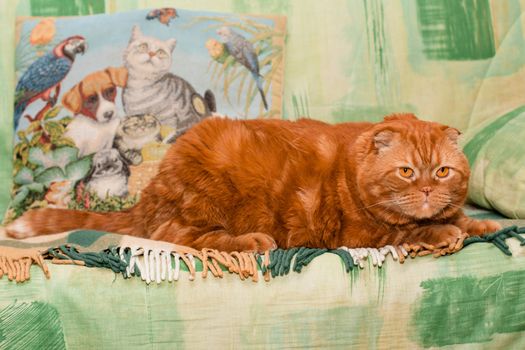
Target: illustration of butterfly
x=164 y=15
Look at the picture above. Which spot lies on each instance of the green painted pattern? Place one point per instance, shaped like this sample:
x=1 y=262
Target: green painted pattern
x=358 y=114
x=300 y=106
x=34 y=325
x=66 y=8
x=469 y=310
x=7 y=28
x=349 y=327
x=473 y=147
x=378 y=49
x=266 y=6
x=456 y=30
x=135 y=316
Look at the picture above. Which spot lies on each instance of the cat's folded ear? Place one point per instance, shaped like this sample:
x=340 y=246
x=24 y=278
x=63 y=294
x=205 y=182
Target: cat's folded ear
x=171 y=43
x=383 y=138
x=135 y=33
x=452 y=133
x=119 y=76
x=72 y=100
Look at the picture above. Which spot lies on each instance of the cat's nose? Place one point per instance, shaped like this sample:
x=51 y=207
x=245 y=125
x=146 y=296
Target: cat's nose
x=426 y=190
x=151 y=54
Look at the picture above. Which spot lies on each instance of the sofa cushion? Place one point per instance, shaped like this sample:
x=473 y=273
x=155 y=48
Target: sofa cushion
x=99 y=99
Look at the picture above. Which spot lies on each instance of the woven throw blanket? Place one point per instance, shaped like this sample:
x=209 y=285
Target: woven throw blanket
x=154 y=261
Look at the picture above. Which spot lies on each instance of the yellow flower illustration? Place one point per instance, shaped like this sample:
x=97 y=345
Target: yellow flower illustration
x=43 y=32
x=216 y=50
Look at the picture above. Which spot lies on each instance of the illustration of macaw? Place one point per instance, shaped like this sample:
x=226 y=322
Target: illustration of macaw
x=164 y=15
x=45 y=75
x=244 y=53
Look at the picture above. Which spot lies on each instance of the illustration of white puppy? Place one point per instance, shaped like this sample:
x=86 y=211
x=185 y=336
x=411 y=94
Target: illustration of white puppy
x=93 y=102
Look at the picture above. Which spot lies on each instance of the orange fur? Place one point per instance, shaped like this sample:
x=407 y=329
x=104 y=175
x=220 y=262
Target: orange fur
x=248 y=185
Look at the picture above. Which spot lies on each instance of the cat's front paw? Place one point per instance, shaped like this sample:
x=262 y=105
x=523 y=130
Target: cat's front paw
x=482 y=227
x=255 y=242
x=437 y=240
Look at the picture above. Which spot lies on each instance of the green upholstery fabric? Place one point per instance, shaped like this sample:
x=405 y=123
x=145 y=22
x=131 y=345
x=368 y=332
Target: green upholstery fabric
x=496 y=152
x=7 y=86
x=345 y=60
x=472 y=299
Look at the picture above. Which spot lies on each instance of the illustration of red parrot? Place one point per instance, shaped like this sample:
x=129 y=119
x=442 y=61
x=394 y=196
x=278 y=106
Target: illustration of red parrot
x=45 y=76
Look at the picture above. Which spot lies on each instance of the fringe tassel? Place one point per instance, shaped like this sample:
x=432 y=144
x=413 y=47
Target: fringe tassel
x=295 y=259
x=107 y=258
x=157 y=265
x=16 y=263
x=499 y=238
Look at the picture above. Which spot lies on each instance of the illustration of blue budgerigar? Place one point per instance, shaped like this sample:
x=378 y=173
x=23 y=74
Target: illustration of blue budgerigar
x=244 y=53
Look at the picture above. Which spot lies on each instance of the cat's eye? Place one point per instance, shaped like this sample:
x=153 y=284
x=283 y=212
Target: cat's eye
x=143 y=47
x=162 y=54
x=443 y=172
x=406 y=172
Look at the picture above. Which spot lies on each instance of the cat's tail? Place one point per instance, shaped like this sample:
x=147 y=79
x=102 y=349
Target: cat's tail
x=258 y=79
x=47 y=221
x=209 y=97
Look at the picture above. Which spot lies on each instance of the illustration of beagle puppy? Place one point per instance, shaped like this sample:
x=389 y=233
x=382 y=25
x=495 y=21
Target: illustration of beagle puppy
x=93 y=103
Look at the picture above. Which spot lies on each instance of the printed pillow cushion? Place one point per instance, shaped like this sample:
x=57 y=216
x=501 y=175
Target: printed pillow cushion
x=496 y=153
x=99 y=99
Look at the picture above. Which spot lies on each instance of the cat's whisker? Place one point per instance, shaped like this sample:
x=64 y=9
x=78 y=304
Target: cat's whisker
x=406 y=201
x=376 y=204
x=454 y=205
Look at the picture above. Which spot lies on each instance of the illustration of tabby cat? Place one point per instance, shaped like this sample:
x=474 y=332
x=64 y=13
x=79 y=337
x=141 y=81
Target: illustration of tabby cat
x=133 y=133
x=257 y=184
x=152 y=89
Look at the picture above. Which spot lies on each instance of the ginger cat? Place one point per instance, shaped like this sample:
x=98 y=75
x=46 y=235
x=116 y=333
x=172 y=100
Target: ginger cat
x=256 y=184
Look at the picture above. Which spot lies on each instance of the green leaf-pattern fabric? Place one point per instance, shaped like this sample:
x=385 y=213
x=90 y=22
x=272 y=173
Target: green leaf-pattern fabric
x=20 y=195
x=54 y=174
x=24 y=176
x=456 y=30
x=59 y=157
x=78 y=169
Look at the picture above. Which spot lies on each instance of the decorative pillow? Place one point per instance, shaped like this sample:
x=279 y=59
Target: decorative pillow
x=496 y=153
x=100 y=98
